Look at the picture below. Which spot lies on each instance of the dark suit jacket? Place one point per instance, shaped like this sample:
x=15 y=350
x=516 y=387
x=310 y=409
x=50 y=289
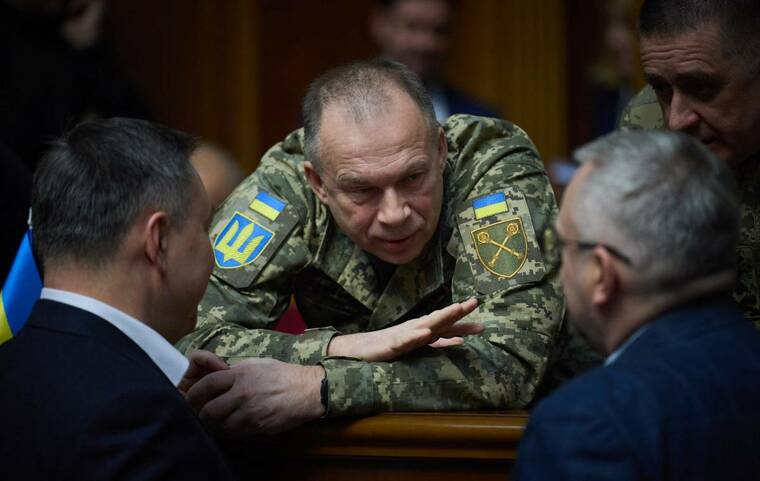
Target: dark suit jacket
x=682 y=402
x=459 y=102
x=80 y=400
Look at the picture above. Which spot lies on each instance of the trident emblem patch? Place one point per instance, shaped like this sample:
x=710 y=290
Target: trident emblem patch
x=502 y=247
x=241 y=241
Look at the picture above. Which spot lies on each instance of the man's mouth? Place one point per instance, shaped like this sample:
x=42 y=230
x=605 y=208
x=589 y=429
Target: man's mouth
x=397 y=243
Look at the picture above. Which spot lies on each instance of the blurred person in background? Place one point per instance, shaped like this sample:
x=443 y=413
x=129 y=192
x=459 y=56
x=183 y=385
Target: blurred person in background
x=417 y=33
x=59 y=69
x=219 y=171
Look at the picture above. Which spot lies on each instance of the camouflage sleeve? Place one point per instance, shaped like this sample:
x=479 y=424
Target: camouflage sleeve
x=642 y=112
x=522 y=309
x=262 y=237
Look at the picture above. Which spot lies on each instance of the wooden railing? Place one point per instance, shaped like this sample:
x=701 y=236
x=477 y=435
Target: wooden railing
x=389 y=446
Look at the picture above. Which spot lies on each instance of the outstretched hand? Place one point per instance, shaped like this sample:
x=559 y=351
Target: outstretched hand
x=440 y=328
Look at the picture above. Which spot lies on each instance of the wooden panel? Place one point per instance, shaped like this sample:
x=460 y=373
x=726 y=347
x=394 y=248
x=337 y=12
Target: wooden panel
x=197 y=64
x=418 y=446
x=235 y=71
x=512 y=54
x=301 y=40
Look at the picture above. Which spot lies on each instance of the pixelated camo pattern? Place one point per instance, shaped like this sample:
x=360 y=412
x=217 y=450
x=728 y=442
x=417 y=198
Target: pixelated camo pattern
x=642 y=112
x=336 y=289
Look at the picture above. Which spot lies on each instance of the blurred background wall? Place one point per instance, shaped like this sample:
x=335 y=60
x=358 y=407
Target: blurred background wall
x=234 y=71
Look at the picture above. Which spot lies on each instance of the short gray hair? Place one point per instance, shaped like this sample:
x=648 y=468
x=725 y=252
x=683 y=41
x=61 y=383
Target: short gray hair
x=364 y=88
x=664 y=200
x=93 y=183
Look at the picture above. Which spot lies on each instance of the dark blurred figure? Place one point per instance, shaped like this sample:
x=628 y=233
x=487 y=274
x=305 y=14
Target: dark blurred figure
x=612 y=76
x=15 y=187
x=417 y=33
x=58 y=71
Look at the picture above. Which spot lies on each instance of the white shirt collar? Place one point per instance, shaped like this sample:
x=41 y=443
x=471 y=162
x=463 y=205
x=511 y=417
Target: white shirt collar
x=171 y=362
x=616 y=354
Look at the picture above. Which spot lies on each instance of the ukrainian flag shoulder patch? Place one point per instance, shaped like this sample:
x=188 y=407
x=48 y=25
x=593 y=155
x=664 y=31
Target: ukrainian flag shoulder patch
x=489 y=205
x=267 y=205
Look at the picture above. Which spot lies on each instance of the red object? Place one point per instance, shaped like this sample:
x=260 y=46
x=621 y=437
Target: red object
x=291 y=322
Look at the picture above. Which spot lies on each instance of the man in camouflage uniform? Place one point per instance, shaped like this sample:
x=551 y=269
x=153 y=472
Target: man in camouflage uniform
x=376 y=219
x=700 y=61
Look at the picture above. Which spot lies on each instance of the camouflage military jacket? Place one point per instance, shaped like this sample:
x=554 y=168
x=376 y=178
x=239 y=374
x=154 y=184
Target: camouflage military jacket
x=644 y=112
x=496 y=199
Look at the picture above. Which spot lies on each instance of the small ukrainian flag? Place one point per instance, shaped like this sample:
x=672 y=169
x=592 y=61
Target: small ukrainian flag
x=267 y=205
x=491 y=204
x=21 y=290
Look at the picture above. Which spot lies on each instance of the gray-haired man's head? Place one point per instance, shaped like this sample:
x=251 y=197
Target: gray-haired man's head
x=662 y=199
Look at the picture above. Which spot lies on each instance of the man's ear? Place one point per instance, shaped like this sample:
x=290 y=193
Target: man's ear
x=605 y=279
x=157 y=240
x=315 y=181
x=443 y=148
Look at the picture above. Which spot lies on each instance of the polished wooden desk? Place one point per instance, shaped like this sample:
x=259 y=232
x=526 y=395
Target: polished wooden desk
x=389 y=446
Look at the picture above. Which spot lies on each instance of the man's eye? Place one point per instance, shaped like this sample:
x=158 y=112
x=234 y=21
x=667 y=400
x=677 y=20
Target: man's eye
x=701 y=91
x=663 y=92
x=413 y=177
x=361 y=194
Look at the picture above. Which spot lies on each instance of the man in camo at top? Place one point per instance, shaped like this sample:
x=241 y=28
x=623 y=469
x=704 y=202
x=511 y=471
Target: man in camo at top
x=701 y=62
x=377 y=219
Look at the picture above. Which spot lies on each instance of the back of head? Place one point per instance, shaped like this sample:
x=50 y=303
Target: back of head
x=218 y=170
x=739 y=20
x=94 y=182
x=663 y=199
x=364 y=90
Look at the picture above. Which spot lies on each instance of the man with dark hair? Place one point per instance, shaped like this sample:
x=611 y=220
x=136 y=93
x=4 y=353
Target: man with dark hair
x=700 y=60
x=417 y=33
x=677 y=397
x=90 y=383
x=376 y=219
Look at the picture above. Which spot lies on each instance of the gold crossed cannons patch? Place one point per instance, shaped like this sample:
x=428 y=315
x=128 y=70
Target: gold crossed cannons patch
x=502 y=247
x=499 y=241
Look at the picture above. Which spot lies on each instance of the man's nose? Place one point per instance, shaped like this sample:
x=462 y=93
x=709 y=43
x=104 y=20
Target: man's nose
x=681 y=115
x=393 y=209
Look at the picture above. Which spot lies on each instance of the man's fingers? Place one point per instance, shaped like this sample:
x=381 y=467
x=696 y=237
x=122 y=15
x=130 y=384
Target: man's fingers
x=210 y=387
x=447 y=316
x=207 y=361
x=454 y=336
x=218 y=411
x=464 y=328
x=447 y=341
x=201 y=364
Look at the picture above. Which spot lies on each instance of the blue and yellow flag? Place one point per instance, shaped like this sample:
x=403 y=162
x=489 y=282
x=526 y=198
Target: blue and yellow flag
x=21 y=290
x=488 y=205
x=266 y=205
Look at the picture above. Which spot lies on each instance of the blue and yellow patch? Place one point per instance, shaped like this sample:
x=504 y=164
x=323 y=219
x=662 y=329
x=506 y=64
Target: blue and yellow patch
x=267 y=205
x=241 y=242
x=488 y=205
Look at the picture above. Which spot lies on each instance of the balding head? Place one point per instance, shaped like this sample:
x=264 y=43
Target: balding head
x=364 y=90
